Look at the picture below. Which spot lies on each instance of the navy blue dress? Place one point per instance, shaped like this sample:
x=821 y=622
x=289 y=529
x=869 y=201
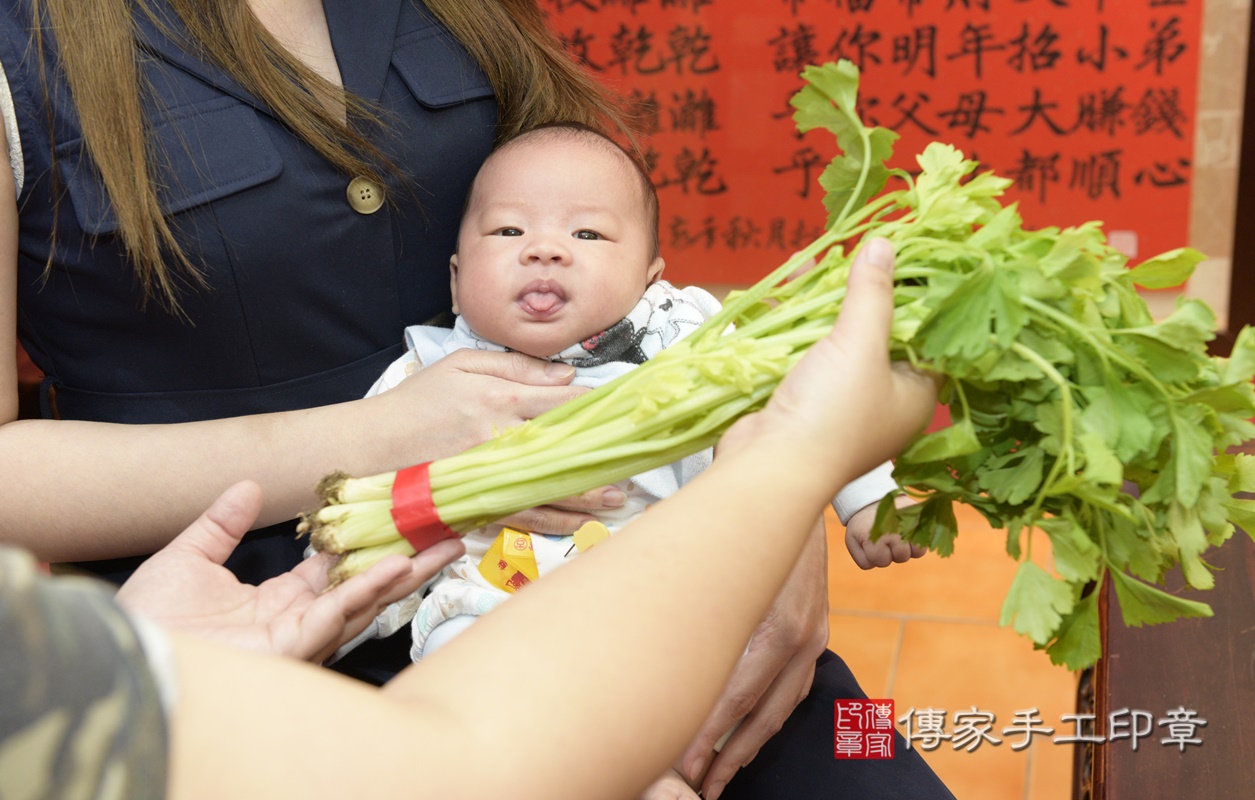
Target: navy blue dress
x=307 y=296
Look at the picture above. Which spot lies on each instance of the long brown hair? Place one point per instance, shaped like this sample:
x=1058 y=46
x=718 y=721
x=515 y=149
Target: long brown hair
x=535 y=82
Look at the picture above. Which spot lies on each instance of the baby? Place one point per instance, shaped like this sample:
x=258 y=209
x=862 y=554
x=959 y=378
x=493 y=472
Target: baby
x=558 y=258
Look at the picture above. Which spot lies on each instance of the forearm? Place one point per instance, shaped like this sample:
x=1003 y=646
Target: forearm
x=82 y=490
x=638 y=638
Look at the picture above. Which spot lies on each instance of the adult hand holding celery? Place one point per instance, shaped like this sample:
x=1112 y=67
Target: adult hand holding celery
x=1061 y=387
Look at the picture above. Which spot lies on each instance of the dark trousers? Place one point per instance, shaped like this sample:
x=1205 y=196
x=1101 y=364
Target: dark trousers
x=798 y=764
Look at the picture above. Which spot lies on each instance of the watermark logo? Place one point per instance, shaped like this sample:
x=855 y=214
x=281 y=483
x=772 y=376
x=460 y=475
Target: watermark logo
x=862 y=729
x=925 y=728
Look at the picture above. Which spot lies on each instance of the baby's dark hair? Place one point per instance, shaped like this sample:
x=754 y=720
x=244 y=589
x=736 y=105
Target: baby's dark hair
x=580 y=131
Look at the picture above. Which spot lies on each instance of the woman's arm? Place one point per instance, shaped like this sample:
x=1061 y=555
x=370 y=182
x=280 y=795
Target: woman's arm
x=83 y=491
x=111 y=490
x=596 y=677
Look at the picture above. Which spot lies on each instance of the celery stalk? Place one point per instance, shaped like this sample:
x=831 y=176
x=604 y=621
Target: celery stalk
x=1062 y=389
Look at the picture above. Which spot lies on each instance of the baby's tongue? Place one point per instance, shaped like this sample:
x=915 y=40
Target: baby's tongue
x=541 y=301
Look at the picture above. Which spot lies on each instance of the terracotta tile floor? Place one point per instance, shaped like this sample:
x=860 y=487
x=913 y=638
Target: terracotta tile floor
x=926 y=634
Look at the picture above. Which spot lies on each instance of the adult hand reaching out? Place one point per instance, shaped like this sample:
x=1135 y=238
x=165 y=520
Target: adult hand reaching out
x=185 y=587
x=882 y=406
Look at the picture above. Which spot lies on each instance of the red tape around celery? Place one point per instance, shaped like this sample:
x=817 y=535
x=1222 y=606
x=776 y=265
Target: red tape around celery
x=413 y=510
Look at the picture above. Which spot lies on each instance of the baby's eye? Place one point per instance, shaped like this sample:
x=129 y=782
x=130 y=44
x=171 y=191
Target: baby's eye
x=509 y=231
x=591 y=236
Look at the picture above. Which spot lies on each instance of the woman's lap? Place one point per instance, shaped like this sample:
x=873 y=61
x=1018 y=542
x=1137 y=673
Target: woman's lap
x=798 y=763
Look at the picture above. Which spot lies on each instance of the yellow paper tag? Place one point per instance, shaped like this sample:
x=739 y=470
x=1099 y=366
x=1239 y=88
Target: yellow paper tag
x=590 y=535
x=510 y=563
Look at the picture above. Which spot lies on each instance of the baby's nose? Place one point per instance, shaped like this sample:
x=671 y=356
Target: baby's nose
x=547 y=250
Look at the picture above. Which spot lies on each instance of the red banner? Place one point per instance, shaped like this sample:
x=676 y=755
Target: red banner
x=1087 y=104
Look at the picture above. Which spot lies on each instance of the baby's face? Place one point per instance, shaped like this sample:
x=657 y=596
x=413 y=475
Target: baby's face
x=554 y=247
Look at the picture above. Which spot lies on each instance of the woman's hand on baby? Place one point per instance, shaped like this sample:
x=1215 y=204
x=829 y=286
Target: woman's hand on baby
x=185 y=587
x=888 y=549
x=466 y=397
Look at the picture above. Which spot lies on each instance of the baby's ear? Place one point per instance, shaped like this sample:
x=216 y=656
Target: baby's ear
x=655 y=271
x=453 y=281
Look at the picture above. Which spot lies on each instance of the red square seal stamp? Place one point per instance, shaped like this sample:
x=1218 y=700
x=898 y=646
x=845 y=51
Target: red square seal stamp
x=862 y=729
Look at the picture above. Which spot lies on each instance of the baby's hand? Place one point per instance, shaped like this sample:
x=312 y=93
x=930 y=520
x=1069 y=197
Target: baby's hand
x=890 y=547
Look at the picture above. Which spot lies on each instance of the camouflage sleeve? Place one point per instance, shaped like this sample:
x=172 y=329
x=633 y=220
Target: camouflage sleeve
x=80 y=714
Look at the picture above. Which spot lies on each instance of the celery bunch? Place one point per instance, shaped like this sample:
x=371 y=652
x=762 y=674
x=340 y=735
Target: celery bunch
x=1063 y=392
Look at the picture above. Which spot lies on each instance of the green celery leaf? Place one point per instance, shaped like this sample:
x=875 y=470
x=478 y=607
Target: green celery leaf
x=838 y=179
x=887 y=520
x=1187 y=530
x=1036 y=602
x=1015 y=526
x=1212 y=513
x=984 y=189
x=1166 y=362
x=956 y=440
x=1133 y=309
x=907 y=319
x=1239 y=468
x=1142 y=604
x=1071 y=259
x=944 y=202
x=1234 y=398
x=1036 y=284
x=1050 y=423
x=1192 y=322
x=1237 y=430
x=1007 y=365
x=1119 y=413
x=987 y=306
x=1240 y=366
x=1051 y=349
x=829 y=101
x=1191 y=455
x=1090 y=368
x=996 y=234
x=930 y=524
x=1101 y=465
x=1166 y=270
x=831 y=83
x=1079 y=642
x=938 y=525
x=1013 y=478
x=942 y=167
x=1242 y=514
x=1127 y=547
x=1076 y=556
